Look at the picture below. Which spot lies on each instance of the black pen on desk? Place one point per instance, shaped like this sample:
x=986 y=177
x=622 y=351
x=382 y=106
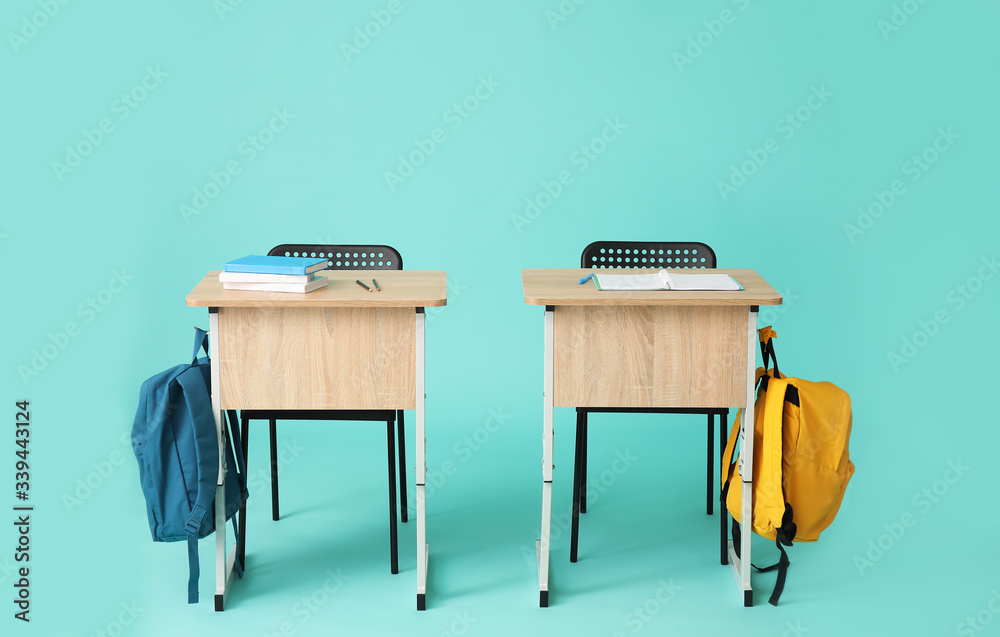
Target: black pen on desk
x=376 y=285
x=358 y=281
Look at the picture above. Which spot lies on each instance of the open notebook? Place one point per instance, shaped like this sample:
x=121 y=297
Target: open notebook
x=664 y=280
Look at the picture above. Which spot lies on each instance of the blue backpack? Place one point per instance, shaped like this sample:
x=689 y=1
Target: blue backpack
x=175 y=442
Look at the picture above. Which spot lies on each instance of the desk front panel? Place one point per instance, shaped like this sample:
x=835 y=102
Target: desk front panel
x=649 y=356
x=317 y=358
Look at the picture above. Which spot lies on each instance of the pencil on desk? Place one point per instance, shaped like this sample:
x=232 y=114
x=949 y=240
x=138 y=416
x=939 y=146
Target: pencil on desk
x=376 y=285
x=358 y=281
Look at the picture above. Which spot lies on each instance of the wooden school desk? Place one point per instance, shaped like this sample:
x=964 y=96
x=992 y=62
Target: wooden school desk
x=340 y=347
x=661 y=348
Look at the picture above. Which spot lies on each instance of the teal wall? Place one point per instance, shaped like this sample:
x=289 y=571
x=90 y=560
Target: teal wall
x=846 y=151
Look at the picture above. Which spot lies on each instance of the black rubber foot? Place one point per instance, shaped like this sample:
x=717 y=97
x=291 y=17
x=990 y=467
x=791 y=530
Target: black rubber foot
x=543 y=599
x=218 y=603
x=747 y=599
x=275 y=517
x=421 y=601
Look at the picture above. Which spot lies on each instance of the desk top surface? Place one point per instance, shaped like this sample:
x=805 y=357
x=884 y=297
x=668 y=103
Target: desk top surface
x=400 y=288
x=558 y=286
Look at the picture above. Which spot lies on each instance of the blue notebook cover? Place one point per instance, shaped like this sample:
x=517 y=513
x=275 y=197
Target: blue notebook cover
x=276 y=265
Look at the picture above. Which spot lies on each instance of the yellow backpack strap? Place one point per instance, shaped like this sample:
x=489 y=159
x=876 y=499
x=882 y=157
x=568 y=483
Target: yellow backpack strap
x=727 y=455
x=769 y=492
x=765 y=334
x=769 y=496
x=727 y=458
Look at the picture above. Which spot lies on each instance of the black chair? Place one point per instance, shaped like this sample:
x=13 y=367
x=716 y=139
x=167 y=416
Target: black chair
x=640 y=254
x=343 y=257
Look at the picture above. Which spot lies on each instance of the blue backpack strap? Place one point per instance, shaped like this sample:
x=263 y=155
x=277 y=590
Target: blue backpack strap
x=236 y=446
x=198 y=402
x=193 y=569
x=200 y=341
x=140 y=432
x=199 y=405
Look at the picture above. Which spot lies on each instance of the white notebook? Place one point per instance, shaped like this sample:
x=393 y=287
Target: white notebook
x=258 y=277
x=664 y=280
x=300 y=288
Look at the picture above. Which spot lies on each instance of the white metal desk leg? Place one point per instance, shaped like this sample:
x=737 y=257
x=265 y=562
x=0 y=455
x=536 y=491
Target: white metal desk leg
x=423 y=548
x=542 y=547
x=221 y=590
x=746 y=461
x=224 y=568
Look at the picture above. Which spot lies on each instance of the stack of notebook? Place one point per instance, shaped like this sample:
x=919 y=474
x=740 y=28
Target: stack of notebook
x=274 y=274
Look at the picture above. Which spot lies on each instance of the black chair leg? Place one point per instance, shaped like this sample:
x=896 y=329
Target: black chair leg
x=274 y=469
x=402 y=466
x=583 y=467
x=577 y=487
x=711 y=463
x=723 y=512
x=244 y=435
x=393 y=548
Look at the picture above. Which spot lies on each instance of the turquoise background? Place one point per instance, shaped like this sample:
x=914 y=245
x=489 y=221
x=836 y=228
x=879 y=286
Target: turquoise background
x=689 y=115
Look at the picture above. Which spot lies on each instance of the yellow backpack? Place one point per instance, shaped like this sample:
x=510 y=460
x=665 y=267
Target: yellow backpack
x=801 y=464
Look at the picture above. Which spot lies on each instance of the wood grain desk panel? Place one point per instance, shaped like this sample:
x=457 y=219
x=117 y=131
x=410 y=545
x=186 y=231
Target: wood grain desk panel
x=400 y=288
x=317 y=358
x=560 y=287
x=640 y=356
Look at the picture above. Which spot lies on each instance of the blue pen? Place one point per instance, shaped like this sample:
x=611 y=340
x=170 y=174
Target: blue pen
x=586 y=278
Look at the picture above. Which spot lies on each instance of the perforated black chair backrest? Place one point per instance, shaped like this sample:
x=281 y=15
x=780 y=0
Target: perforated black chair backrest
x=344 y=257
x=647 y=254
